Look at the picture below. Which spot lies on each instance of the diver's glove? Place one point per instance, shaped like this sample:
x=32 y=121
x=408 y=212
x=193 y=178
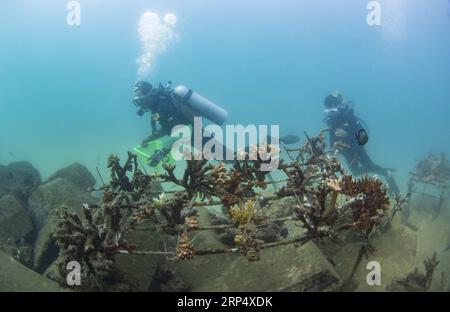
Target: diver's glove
x=157 y=157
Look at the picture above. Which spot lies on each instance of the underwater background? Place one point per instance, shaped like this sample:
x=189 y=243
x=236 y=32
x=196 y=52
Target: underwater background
x=65 y=92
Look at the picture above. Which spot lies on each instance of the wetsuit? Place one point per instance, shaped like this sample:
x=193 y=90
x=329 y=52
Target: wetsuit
x=166 y=113
x=164 y=116
x=343 y=124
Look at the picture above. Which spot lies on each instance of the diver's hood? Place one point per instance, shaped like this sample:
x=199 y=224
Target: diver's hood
x=142 y=89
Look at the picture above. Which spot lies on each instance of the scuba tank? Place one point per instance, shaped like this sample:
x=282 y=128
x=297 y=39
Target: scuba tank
x=199 y=104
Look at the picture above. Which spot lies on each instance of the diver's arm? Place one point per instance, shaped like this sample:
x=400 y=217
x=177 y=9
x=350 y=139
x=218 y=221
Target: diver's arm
x=156 y=134
x=367 y=162
x=148 y=139
x=370 y=166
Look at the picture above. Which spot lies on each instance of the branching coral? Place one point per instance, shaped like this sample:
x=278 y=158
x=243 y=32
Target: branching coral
x=372 y=200
x=242 y=213
x=89 y=244
x=185 y=250
x=315 y=181
x=206 y=181
x=433 y=169
x=250 y=247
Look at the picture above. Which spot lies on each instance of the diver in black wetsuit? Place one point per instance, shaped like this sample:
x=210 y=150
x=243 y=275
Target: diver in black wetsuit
x=161 y=103
x=172 y=107
x=343 y=125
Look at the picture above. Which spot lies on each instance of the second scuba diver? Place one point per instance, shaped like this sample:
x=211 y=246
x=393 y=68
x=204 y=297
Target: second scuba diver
x=348 y=136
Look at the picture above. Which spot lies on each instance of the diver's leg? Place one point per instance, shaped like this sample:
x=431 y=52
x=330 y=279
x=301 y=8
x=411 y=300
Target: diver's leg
x=367 y=163
x=352 y=160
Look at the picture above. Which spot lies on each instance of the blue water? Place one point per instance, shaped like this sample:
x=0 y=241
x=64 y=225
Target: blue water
x=65 y=92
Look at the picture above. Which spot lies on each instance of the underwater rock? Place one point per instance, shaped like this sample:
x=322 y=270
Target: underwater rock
x=433 y=237
x=212 y=238
x=16 y=277
x=227 y=236
x=42 y=203
x=279 y=268
x=269 y=233
x=283 y=207
x=53 y=194
x=77 y=174
x=139 y=270
x=394 y=249
x=15 y=223
x=167 y=280
x=52 y=273
x=19 y=178
x=422 y=211
x=322 y=281
x=45 y=249
x=136 y=272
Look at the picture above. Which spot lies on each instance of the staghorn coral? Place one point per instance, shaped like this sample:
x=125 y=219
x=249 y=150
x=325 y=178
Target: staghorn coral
x=243 y=212
x=89 y=244
x=192 y=223
x=159 y=202
x=206 y=181
x=119 y=178
x=317 y=179
x=314 y=181
x=239 y=239
x=372 y=200
x=184 y=250
x=249 y=246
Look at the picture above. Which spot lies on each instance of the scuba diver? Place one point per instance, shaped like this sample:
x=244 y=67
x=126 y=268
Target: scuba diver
x=348 y=136
x=170 y=107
